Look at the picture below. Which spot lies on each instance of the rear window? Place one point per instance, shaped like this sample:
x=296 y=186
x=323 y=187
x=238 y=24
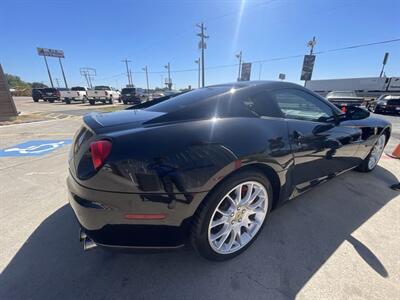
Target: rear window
x=188 y=99
x=218 y=102
x=102 y=88
x=128 y=91
x=49 y=90
x=78 y=88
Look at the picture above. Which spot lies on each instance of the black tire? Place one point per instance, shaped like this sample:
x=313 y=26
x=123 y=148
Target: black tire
x=35 y=100
x=51 y=100
x=110 y=101
x=364 y=167
x=202 y=217
x=125 y=102
x=67 y=101
x=92 y=102
x=84 y=99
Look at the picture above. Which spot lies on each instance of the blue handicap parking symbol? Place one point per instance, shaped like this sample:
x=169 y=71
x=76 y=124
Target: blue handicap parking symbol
x=34 y=148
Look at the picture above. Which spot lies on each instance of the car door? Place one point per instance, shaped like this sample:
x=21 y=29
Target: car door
x=321 y=146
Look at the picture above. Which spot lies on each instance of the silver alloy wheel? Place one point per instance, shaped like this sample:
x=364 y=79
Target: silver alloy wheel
x=376 y=152
x=238 y=217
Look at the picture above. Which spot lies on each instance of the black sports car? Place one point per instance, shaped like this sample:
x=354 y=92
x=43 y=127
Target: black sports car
x=207 y=166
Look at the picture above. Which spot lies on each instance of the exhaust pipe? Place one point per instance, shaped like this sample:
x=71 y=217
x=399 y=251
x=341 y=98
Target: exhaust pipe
x=88 y=244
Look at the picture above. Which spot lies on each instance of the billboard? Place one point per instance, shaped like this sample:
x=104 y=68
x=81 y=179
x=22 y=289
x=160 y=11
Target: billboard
x=308 y=66
x=50 y=52
x=246 y=72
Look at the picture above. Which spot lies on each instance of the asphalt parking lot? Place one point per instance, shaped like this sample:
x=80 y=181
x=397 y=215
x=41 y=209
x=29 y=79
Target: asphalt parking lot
x=338 y=241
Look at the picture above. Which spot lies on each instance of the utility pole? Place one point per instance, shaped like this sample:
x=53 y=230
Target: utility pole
x=311 y=44
x=48 y=71
x=147 y=82
x=197 y=61
x=202 y=46
x=128 y=73
x=169 y=84
x=58 y=83
x=63 y=74
x=239 y=56
x=385 y=59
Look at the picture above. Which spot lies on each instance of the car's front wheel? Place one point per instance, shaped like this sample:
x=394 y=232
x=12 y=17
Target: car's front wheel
x=370 y=162
x=231 y=217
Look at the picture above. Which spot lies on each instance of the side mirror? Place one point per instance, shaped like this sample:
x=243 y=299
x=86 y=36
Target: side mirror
x=357 y=113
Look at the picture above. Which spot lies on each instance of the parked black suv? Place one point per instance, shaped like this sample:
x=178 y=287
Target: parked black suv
x=386 y=104
x=128 y=95
x=37 y=94
x=51 y=94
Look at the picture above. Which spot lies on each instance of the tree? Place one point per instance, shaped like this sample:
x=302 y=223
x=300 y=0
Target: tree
x=38 y=85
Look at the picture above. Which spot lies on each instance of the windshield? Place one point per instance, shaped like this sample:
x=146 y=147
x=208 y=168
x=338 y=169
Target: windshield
x=187 y=99
x=78 y=88
x=342 y=94
x=102 y=88
x=128 y=91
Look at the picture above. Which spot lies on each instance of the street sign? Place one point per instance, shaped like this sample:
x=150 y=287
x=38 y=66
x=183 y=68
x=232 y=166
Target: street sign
x=385 y=58
x=50 y=52
x=34 y=148
x=308 y=66
x=282 y=76
x=246 y=72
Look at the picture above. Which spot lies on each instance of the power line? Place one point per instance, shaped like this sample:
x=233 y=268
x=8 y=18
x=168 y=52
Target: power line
x=268 y=59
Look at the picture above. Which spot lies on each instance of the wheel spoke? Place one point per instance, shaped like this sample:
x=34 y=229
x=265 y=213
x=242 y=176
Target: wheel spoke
x=220 y=221
x=223 y=239
x=223 y=231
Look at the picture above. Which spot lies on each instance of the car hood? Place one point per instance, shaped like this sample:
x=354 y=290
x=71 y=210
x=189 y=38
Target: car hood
x=120 y=120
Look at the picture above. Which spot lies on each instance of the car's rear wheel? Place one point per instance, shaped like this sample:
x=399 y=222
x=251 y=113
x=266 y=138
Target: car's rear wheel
x=67 y=101
x=232 y=216
x=370 y=162
x=35 y=100
x=51 y=100
x=92 y=102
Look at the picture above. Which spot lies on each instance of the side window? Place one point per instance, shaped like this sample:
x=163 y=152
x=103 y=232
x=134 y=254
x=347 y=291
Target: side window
x=296 y=104
x=261 y=104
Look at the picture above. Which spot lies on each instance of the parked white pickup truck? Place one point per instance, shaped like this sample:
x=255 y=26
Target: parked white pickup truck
x=76 y=93
x=102 y=93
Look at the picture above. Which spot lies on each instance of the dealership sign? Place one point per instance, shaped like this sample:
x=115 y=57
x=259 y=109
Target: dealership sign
x=50 y=52
x=246 y=72
x=308 y=66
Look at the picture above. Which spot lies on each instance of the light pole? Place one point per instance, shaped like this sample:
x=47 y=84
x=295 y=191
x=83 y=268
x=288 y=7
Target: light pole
x=169 y=84
x=385 y=59
x=202 y=46
x=147 y=82
x=128 y=72
x=239 y=56
x=197 y=61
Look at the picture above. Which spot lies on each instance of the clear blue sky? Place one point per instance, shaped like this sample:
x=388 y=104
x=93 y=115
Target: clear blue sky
x=99 y=34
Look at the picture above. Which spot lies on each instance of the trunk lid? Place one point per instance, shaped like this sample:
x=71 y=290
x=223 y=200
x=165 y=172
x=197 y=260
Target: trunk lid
x=120 y=120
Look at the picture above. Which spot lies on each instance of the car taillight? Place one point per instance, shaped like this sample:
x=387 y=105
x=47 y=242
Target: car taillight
x=100 y=151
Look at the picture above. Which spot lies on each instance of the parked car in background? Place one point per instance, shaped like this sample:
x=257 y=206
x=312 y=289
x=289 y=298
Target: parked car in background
x=102 y=93
x=345 y=99
x=76 y=93
x=37 y=94
x=385 y=104
x=51 y=94
x=129 y=95
x=207 y=166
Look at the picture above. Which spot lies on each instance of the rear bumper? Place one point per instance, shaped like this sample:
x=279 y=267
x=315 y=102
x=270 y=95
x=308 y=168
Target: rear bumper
x=106 y=216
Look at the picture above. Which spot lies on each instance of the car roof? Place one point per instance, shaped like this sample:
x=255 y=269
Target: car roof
x=270 y=84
